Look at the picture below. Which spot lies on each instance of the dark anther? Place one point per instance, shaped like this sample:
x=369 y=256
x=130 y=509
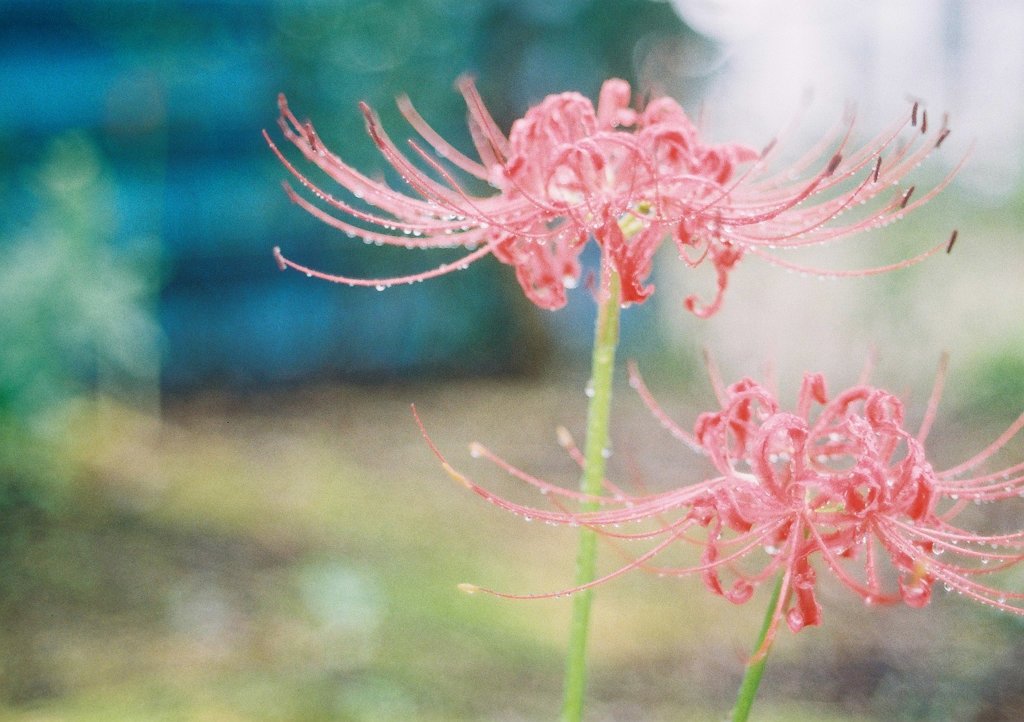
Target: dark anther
x=768 y=148
x=878 y=167
x=952 y=240
x=924 y=122
x=913 y=115
x=942 y=137
x=906 y=197
x=834 y=163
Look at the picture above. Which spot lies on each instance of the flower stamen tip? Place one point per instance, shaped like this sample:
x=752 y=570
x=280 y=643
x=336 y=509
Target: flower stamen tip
x=833 y=164
x=468 y=588
x=456 y=475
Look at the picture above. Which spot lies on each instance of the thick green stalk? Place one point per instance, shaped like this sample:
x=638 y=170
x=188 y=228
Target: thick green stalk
x=752 y=677
x=599 y=389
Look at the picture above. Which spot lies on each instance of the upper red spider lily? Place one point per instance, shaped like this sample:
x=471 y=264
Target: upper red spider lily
x=838 y=484
x=627 y=178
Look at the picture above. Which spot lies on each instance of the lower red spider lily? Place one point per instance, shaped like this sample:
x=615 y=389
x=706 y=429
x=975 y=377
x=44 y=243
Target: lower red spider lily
x=836 y=485
x=627 y=179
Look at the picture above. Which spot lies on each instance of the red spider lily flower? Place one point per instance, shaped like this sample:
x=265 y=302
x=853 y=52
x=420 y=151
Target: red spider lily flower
x=568 y=172
x=836 y=485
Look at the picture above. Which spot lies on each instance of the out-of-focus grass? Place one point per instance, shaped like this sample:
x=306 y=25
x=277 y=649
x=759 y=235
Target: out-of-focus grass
x=294 y=557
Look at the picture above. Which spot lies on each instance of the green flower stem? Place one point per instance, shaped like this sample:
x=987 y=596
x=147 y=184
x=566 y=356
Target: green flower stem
x=599 y=388
x=752 y=677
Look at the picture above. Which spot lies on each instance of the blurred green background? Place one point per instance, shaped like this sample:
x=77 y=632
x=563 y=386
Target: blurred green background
x=214 y=504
